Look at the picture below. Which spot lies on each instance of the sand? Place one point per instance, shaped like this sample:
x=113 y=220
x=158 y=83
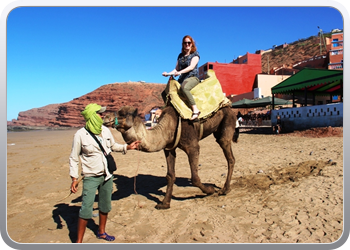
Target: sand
x=285 y=189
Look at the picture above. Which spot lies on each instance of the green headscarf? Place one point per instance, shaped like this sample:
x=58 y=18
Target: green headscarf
x=93 y=120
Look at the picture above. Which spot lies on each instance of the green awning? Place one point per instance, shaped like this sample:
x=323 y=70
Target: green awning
x=244 y=103
x=268 y=101
x=318 y=81
x=262 y=102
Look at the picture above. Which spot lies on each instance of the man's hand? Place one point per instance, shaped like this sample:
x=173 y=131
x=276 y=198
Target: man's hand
x=74 y=186
x=133 y=145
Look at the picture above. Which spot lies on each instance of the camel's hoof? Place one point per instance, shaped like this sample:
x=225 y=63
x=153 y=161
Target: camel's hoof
x=163 y=206
x=210 y=190
x=224 y=191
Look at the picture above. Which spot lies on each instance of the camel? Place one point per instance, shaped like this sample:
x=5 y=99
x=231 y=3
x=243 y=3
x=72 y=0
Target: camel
x=167 y=136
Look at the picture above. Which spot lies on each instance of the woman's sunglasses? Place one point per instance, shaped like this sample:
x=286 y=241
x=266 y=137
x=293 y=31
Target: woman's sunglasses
x=187 y=43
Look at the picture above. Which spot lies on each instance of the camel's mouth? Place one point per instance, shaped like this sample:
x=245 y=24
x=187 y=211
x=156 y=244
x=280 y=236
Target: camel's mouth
x=121 y=128
x=110 y=120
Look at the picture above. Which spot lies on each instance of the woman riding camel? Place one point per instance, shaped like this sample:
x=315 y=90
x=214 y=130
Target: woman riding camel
x=186 y=67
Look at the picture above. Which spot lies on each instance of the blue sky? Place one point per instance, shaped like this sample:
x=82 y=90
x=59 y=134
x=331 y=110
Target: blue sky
x=56 y=54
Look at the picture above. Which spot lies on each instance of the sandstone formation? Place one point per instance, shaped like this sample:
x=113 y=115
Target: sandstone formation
x=37 y=116
x=143 y=96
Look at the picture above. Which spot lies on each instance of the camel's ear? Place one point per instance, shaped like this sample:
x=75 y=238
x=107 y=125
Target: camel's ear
x=135 y=113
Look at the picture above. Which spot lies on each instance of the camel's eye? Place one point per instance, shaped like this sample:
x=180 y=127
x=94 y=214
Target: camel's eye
x=125 y=113
x=122 y=114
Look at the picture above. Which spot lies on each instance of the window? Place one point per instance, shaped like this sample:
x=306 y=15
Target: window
x=337 y=52
x=211 y=66
x=335 y=44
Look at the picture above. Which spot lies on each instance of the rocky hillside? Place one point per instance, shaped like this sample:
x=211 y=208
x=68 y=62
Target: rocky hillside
x=145 y=96
x=37 y=116
x=295 y=52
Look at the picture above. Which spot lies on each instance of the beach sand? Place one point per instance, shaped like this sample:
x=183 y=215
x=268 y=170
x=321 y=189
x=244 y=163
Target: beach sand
x=286 y=188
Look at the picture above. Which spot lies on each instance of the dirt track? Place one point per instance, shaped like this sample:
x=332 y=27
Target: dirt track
x=285 y=188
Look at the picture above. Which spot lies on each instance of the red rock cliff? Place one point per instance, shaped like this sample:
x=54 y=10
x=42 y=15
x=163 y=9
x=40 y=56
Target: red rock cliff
x=143 y=96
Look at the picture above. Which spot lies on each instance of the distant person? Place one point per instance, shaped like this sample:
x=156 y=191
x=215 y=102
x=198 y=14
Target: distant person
x=279 y=125
x=268 y=115
x=259 y=118
x=94 y=169
x=186 y=67
x=240 y=118
x=157 y=115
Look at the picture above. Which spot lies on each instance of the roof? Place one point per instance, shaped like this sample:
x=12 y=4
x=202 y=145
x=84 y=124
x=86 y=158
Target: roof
x=318 y=81
x=268 y=101
x=262 y=102
x=244 y=103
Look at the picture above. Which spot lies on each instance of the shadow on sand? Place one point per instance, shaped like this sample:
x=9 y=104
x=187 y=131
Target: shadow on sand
x=146 y=185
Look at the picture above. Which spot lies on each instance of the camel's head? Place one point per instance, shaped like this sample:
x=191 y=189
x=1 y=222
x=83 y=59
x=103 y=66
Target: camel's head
x=125 y=118
x=110 y=119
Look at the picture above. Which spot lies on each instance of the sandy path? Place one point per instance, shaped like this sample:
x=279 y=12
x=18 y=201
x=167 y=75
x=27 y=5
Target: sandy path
x=284 y=189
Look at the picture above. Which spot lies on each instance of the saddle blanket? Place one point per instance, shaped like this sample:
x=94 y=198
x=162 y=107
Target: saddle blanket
x=207 y=94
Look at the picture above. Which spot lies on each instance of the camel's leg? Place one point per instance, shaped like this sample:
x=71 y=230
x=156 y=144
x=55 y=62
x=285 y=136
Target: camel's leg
x=170 y=176
x=236 y=135
x=193 y=158
x=226 y=144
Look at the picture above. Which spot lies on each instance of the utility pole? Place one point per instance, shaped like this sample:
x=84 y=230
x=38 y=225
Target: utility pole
x=322 y=39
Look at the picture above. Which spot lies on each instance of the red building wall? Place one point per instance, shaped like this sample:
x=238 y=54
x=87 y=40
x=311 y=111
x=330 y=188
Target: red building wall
x=336 y=52
x=237 y=77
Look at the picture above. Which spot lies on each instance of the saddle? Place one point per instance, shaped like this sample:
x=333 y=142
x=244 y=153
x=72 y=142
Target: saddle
x=207 y=94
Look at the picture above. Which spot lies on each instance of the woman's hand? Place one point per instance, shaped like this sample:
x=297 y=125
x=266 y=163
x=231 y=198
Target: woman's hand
x=174 y=72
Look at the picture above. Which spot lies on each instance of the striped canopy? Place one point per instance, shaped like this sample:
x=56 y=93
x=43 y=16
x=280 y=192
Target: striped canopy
x=317 y=81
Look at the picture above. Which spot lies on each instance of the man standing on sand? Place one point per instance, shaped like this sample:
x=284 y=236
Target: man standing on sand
x=94 y=168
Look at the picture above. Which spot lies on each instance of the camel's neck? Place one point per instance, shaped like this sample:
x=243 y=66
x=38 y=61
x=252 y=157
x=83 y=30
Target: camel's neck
x=152 y=140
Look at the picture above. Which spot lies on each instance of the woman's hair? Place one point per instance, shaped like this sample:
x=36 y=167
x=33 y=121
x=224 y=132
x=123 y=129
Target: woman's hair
x=193 y=48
